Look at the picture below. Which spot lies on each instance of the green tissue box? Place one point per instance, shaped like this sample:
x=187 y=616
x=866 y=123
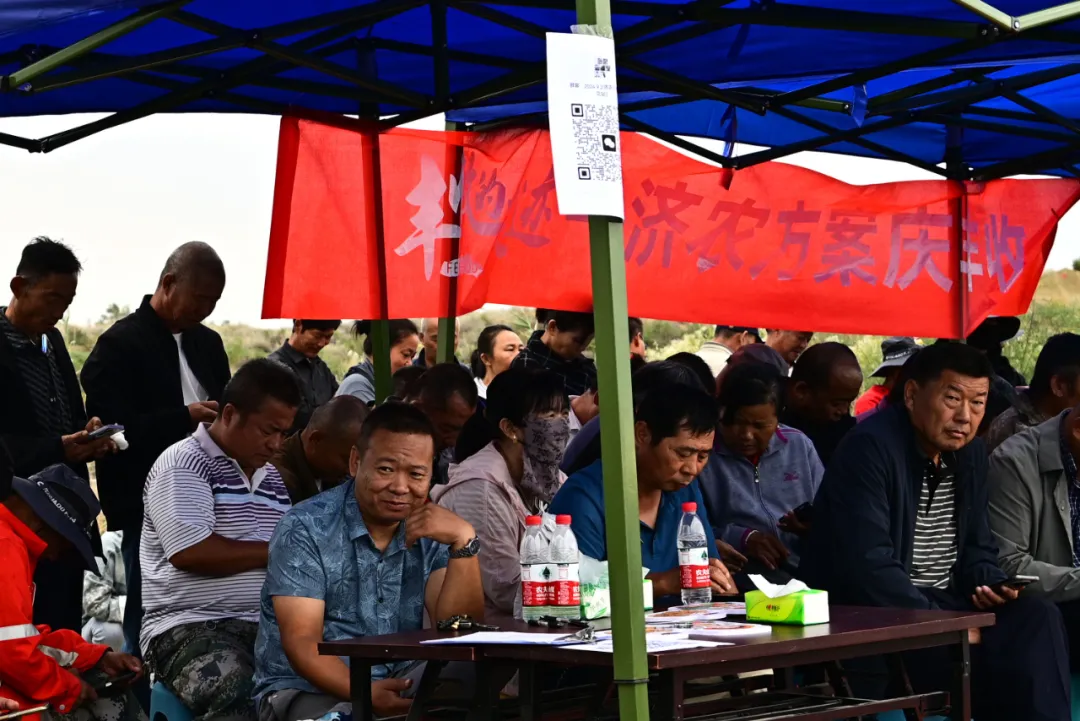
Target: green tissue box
x=802 y=608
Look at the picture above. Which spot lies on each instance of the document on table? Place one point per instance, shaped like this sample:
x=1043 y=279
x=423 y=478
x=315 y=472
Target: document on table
x=654 y=643
x=513 y=638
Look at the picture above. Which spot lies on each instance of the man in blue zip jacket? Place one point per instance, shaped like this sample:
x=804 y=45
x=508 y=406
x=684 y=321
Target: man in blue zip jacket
x=901 y=521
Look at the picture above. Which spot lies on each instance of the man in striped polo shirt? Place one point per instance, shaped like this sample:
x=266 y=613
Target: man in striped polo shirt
x=902 y=521
x=212 y=503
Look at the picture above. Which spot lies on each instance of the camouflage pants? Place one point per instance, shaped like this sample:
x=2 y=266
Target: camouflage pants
x=117 y=708
x=209 y=666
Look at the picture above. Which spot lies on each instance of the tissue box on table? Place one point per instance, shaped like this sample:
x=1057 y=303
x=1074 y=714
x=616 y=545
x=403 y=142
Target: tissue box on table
x=793 y=603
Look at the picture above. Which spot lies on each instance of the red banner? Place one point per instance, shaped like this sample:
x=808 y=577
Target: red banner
x=474 y=217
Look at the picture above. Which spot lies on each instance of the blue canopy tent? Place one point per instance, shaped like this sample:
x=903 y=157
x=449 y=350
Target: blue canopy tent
x=987 y=90
x=991 y=87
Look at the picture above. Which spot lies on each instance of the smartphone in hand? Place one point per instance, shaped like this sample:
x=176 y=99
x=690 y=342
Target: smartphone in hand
x=106 y=431
x=1019 y=582
x=116 y=686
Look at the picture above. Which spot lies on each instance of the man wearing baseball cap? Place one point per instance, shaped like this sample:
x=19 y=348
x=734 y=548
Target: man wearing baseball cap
x=50 y=515
x=894 y=353
x=727 y=340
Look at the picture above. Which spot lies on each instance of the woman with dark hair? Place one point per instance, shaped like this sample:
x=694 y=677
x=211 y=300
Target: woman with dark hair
x=508 y=468
x=762 y=476
x=496 y=349
x=360 y=380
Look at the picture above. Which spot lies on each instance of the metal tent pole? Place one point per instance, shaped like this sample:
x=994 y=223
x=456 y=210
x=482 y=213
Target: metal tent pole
x=957 y=170
x=617 y=443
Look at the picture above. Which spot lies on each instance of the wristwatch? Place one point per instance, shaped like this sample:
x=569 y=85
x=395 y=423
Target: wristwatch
x=469 y=550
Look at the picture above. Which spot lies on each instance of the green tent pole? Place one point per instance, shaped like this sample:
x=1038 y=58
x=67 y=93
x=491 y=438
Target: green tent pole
x=380 y=328
x=617 y=441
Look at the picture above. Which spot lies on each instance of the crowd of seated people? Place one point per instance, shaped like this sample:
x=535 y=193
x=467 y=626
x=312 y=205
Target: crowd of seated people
x=254 y=508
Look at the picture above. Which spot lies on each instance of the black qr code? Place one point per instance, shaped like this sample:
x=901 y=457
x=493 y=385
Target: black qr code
x=596 y=142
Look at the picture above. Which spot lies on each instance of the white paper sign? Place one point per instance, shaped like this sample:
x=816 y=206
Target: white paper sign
x=583 y=115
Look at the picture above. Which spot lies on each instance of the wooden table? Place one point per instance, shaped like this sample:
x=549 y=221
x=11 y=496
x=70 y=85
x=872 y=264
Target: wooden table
x=853 y=633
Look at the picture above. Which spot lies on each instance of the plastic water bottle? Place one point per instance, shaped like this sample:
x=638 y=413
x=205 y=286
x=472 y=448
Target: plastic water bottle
x=693 y=558
x=535 y=570
x=567 y=582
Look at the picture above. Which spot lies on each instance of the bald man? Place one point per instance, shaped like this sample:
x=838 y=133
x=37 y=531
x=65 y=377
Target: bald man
x=825 y=382
x=429 y=338
x=159 y=372
x=317 y=458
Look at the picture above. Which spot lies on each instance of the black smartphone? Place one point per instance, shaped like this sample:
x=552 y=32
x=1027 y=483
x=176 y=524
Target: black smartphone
x=805 y=513
x=105 y=431
x=1019 y=581
x=116 y=686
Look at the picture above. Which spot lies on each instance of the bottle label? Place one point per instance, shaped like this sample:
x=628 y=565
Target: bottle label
x=694 y=567
x=536 y=584
x=567 y=585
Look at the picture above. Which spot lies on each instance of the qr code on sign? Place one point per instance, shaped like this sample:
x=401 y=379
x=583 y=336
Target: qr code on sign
x=596 y=138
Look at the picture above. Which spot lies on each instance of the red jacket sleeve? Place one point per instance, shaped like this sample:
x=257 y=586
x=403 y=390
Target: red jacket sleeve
x=23 y=666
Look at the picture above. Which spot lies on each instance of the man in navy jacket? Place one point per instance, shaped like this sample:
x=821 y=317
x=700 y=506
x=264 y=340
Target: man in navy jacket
x=901 y=521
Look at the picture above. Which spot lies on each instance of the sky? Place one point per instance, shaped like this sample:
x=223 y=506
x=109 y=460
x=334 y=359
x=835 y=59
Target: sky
x=123 y=199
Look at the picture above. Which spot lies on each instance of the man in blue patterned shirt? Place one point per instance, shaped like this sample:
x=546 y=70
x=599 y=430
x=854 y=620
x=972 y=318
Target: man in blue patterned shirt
x=364 y=559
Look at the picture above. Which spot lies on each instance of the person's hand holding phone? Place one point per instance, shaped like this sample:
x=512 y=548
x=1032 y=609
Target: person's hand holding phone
x=116 y=664
x=766 y=548
x=80 y=448
x=986 y=598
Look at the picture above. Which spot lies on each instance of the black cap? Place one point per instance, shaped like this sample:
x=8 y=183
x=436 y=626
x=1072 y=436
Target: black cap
x=895 y=352
x=65 y=503
x=736 y=329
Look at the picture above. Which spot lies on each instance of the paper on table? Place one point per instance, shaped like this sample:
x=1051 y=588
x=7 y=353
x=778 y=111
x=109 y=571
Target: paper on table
x=654 y=643
x=737 y=608
x=685 y=614
x=505 y=638
x=773 y=590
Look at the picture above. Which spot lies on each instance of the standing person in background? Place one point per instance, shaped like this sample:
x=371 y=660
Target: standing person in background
x=560 y=348
x=429 y=342
x=637 y=339
x=496 y=348
x=42 y=419
x=508 y=468
x=1055 y=386
x=726 y=340
x=301 y=353
x=360 y=379
x=790 y=344
x=822 y=387
x=159 y=372
x=105 y=595
x=894 y=353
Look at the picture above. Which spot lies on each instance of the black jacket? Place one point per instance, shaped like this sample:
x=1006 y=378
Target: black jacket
x=32 y=448
x=132 y=377
x=861 y=544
